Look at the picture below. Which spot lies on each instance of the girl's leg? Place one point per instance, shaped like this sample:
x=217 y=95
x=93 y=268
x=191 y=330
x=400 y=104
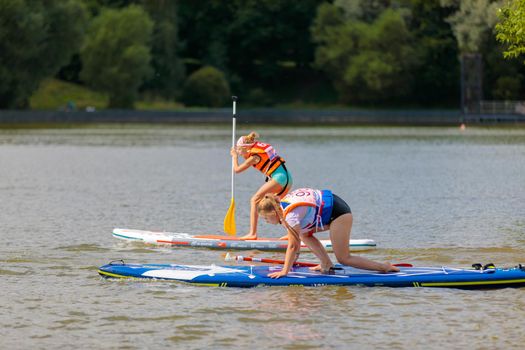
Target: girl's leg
x=340 y=230
x=271 y=186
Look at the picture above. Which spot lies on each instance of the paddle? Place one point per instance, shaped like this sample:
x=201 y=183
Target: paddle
x=229 y=219
x=229 y=257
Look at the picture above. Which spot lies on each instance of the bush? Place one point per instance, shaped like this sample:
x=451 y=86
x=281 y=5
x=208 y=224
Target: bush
x=507 y=88
x=258 y=97
x=206 y=87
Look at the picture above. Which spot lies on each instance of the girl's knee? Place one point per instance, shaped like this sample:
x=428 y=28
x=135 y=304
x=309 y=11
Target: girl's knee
x=343 y=259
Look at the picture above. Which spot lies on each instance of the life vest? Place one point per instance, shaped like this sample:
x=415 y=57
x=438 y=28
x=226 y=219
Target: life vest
x=269 y=162
x=321 y=200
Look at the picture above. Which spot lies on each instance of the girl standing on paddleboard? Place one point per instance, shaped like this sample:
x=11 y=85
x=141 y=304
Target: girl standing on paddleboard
x=263 y=157
x=306 y=211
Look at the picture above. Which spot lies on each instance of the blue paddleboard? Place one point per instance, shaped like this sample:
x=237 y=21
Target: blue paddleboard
x=252 y=276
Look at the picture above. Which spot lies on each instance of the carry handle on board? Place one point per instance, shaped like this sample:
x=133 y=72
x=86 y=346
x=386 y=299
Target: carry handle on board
x=478 y=266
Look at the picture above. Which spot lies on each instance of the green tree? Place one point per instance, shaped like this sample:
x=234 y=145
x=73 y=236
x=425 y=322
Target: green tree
x=437 y=77
x=498 y=71
x=116 y=54
x=168 y=69
x=367 y=61
x=255 y=42
x=96 y=6
x=265 y=34
x=36 y=38
x=511 y=30
x=472 y=22
x=206 y=87
x=205 y=30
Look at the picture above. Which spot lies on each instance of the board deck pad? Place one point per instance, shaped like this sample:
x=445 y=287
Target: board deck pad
x=179 y=239
x=256 y=275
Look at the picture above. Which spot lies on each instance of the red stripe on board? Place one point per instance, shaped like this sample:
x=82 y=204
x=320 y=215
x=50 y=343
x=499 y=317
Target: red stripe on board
x=173 y=242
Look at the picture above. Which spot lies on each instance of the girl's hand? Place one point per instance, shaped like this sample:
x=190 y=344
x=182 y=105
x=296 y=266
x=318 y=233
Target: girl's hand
x=390 y=268
x=233 y=152
x=277 y=274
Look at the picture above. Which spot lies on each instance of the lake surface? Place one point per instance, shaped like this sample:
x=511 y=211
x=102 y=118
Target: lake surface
x=428 y=196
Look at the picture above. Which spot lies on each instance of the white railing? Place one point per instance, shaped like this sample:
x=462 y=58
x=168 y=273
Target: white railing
x=502 y=107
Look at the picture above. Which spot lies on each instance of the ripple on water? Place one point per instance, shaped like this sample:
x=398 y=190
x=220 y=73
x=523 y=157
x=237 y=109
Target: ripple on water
x=85 y=247
x=122 y=318
x=16 y=272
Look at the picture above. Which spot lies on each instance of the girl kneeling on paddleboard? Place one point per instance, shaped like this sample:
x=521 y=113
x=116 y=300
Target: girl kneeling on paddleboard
x=305 y=211
x=263 y=157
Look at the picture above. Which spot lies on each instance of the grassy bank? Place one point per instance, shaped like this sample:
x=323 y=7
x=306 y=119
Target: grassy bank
x=56 y=95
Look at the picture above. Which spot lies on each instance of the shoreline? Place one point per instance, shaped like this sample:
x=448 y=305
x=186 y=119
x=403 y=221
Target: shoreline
x=262 y=116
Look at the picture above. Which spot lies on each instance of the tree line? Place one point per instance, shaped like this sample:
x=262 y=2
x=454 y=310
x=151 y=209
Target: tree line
x=311 y=52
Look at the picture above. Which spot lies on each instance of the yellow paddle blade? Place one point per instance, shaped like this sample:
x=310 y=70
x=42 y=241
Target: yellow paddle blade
x=229 y=220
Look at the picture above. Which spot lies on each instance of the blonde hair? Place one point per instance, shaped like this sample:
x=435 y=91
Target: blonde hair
x=251 y=137
x=268 y=203
x=272 y=202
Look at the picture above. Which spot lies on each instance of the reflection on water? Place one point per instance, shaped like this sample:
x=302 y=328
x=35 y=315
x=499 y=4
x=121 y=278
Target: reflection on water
x=428 y=196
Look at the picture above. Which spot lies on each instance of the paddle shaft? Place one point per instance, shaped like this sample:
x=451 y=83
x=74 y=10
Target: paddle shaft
x=234 y=98
x=297 y=263
x=229 y=219
x=271 y=261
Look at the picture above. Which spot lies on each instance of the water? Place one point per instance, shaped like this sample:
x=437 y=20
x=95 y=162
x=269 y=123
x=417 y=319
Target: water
x=428 y=196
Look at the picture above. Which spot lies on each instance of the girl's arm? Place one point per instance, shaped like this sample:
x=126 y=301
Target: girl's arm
x=252 y=160
x=319 y=251
x=294 y=245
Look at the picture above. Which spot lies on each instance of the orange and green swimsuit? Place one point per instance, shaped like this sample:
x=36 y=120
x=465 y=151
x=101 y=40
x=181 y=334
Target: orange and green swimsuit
x=271 y=165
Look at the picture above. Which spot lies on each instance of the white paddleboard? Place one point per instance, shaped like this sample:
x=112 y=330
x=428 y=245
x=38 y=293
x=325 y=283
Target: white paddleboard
x=179 y=239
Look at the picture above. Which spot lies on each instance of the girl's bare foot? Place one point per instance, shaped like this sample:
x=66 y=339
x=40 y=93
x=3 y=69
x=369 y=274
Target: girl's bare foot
x=249 y=236
x=316 y=268
x=323 y=269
